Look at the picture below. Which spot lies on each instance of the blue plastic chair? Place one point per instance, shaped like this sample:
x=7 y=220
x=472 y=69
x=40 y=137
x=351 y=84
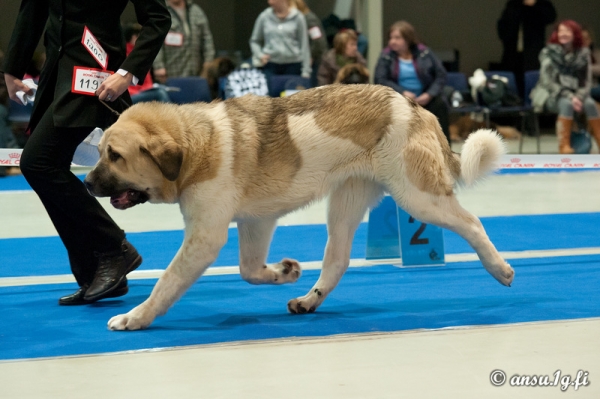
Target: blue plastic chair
x=524 y=111
x=279 y=83
x=18 y=113
x=191 y=89
x=458 y=81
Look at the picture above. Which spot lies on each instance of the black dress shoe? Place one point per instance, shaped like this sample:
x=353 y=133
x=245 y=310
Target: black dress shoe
x=78 y=297
x=112 y=269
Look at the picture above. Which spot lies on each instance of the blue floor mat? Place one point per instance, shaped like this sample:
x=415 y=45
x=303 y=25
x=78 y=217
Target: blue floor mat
x=47 y=256
x=370 y=299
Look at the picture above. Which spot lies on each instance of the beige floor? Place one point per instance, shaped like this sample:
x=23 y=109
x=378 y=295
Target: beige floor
x=450 y=363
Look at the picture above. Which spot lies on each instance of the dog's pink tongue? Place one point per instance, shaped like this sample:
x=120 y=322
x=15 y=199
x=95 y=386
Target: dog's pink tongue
x=121 y=201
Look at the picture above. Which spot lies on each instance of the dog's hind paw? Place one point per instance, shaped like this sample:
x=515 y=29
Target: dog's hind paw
x=504 y=275
x=287 y=271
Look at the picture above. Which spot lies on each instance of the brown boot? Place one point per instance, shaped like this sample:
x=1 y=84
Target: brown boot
x=595 y=130
x=563 y=131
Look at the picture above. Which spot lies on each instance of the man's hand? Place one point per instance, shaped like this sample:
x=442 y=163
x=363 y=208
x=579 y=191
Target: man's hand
x=14 y=85
x=114 y=86
x=423 y=99
x=160 y=75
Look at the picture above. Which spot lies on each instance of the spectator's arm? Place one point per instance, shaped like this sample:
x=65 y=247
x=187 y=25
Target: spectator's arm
x=547 y=80
x=318 y=46
x=257 y=39
x=585 y=85
x=596 y=66
x=511 y=18
x=326 y=74
x=545 y=11
x=302 y=33
x=208 y=46
x=382 y=76
x=440 y=77
x=159 y=61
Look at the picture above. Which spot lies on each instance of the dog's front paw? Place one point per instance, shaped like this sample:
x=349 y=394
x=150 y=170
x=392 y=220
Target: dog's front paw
x=129 y=321
x=297 y=306
x=308 y=303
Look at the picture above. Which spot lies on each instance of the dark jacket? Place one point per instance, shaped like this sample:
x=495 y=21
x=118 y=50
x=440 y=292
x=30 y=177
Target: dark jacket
x=429 y=69
x=534 y=20
x=64 y=21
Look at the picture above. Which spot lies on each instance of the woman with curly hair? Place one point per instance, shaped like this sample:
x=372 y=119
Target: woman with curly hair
x=565 y=82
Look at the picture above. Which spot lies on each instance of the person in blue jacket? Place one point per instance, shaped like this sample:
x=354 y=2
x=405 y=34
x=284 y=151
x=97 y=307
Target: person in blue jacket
x=409 y=67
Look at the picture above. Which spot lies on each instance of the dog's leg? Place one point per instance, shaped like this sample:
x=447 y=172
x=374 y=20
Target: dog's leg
x=203 y=240
x=255 y=237
x=346 y=208
x=446 y=212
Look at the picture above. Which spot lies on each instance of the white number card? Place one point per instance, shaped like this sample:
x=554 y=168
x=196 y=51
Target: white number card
x=88 y=80
x=94 y=48
x=315 y=33
x=174 y=39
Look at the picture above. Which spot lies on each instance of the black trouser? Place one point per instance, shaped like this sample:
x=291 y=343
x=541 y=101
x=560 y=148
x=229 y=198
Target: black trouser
x=82 y=224
x=439 y=108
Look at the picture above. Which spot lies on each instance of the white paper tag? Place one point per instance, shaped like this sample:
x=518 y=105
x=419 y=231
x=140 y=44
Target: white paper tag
x=315 y=33
x=174 y=39
x=94 y=48
x=88 y=80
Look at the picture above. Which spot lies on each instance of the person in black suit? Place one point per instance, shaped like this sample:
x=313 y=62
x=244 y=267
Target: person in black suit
x=522 y=30
x=83 y=39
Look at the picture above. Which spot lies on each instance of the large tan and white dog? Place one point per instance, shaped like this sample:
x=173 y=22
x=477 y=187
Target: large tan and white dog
x=253 y=159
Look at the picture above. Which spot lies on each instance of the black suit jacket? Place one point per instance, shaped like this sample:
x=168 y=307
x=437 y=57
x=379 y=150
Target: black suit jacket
x=534 y=20
x=64 y=21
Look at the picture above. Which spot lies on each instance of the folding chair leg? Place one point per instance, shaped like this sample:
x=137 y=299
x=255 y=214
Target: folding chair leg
x=523 y=124
x=536 y=125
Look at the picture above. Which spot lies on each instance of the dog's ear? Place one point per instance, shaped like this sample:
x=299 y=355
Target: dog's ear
x=167 y=155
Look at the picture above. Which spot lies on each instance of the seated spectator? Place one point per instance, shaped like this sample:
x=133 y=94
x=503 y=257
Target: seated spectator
x=279 y=41
x=410 y=68
x=353 y=74
x=588 y=42
x=145 y=91
x=344 y=52
x=188 y=45
x=565 y=81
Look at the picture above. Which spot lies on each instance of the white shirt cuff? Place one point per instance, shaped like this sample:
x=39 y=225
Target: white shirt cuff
x=134 y=80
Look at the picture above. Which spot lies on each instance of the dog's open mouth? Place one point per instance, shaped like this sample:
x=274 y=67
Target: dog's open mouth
x=128 y=199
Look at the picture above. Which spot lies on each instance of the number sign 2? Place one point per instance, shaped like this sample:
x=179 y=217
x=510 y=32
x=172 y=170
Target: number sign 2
x=393 y=233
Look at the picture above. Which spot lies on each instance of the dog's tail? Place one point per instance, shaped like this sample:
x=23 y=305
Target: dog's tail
x=480 y=155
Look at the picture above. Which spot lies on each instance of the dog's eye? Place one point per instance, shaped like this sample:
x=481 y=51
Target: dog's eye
x=113 y=155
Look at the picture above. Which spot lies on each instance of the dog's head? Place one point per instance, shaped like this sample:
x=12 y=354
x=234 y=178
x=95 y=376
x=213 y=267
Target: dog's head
x=138 y=160
x=352 y=74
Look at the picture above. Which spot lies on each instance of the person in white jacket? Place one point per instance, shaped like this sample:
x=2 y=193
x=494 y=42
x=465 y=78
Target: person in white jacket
x=279 y=41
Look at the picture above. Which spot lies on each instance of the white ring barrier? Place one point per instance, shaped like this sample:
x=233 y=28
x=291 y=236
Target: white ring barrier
x=11 y=157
